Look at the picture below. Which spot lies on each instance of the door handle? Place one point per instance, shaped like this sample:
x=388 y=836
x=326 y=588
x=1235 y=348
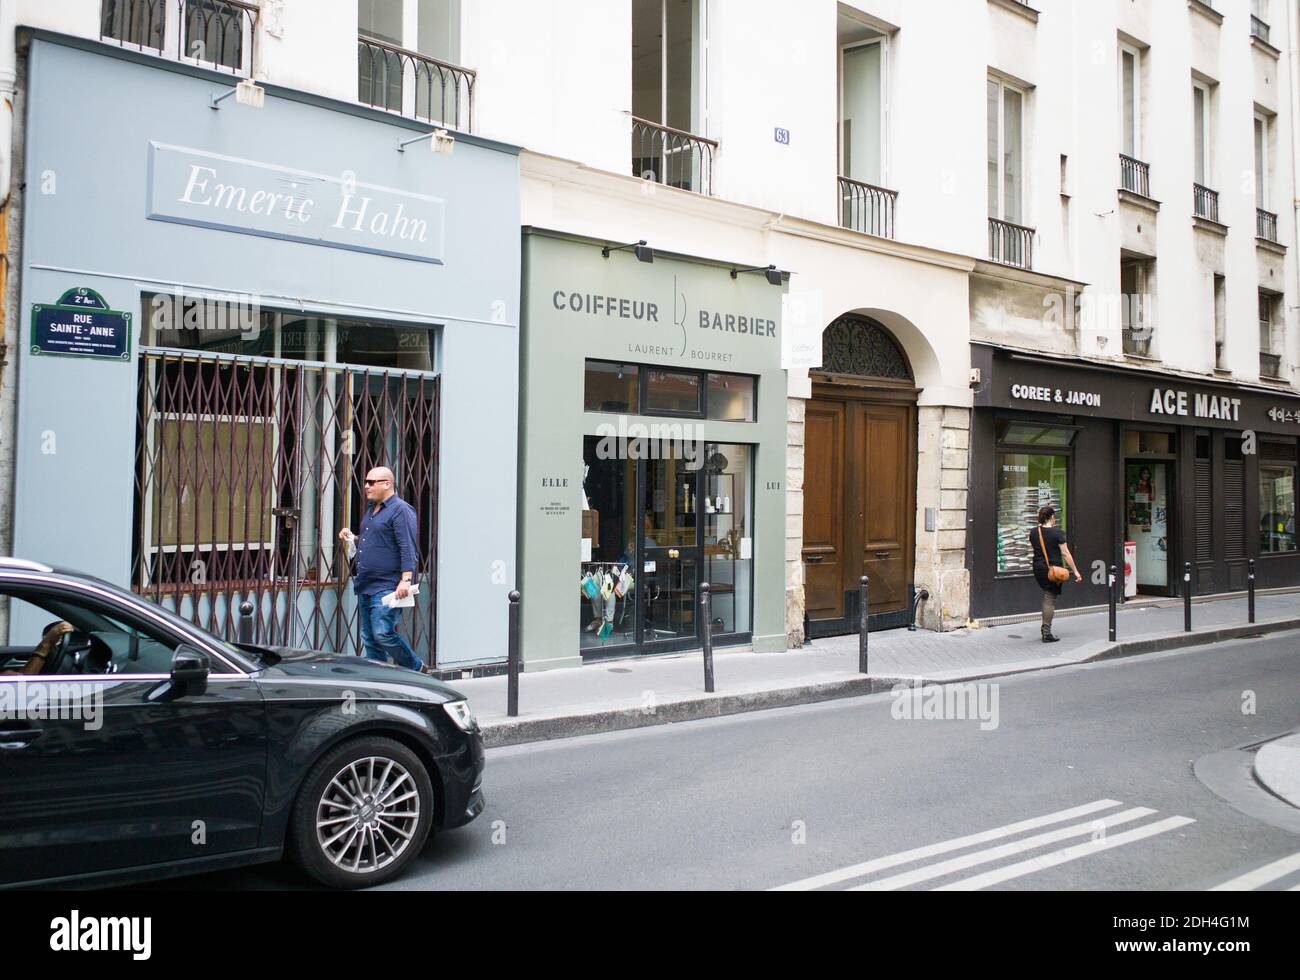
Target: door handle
x=883 y=554
x=18 y=738
x=674 y=553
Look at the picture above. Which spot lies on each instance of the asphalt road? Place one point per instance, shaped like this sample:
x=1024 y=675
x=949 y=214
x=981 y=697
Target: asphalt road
x=848 y=791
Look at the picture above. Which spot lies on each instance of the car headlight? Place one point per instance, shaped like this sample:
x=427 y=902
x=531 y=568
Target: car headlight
x=462 y=714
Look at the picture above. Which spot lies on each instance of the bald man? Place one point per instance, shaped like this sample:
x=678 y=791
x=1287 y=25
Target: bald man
x=387 y=554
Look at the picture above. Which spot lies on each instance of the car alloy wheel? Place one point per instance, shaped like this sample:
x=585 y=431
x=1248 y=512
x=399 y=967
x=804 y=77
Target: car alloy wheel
x=368 y=815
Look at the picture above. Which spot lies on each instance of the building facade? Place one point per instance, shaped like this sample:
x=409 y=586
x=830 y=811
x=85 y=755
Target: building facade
x=965 y=213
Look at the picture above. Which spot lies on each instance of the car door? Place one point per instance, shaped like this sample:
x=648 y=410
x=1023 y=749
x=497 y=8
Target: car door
x=100 y=768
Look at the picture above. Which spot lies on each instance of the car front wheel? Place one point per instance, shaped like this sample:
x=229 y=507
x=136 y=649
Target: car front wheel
x=363 y=814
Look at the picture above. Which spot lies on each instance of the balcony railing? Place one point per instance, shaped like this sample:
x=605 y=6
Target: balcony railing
x=1011 y=244
x=1205 y=203
x=672 y=156
x=1270 y=365
x=1134 y=176
x=1258 y=29
x=415 y=85
x=867 y=208
x=217 y=33
x=1265 y=225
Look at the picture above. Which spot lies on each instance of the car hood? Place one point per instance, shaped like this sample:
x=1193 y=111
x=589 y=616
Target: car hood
x=312 y=667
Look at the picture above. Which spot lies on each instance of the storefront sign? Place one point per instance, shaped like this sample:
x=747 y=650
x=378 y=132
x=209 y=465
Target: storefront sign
x=802 y=324
x=252 y=198
x=81 y=325
x=1058 y=396
x=1075 y=389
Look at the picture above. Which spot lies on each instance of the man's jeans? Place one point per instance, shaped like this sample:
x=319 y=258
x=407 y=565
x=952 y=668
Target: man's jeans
x=379 y=636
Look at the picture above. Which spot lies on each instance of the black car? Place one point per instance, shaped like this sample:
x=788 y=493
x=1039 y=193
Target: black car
x=141 y=747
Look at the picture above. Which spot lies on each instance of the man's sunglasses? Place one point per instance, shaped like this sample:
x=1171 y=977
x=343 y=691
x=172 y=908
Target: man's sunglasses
x=371 y=483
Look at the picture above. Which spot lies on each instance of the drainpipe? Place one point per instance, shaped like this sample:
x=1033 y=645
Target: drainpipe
x=8 y=78
x=1293 y=38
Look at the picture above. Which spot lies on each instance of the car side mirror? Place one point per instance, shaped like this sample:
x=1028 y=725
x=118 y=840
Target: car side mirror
x=190 y=669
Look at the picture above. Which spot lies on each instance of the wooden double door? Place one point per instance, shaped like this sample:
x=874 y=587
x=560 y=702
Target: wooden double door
x=859 y=507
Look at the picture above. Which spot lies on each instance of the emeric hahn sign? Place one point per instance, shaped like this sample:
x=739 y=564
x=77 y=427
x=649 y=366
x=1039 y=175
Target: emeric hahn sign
x=215 y=191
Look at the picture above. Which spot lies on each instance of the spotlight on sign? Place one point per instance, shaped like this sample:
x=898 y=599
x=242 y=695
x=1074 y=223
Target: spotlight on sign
x=440 y=142
x=639 y=249
x=770 y=272
x=247 y=92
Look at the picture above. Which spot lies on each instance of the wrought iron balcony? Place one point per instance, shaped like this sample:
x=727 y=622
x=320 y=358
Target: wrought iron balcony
x=415 y=85
x=1265 y=225
x=1205 y=203
x=1270 y=365
x=1011 y=244
x=672 y=156
x=217 y=33
x=1134 y=176
x=867 y=208
x=1258 y=29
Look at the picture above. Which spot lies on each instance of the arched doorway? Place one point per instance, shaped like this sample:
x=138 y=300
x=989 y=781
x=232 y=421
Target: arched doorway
x=859 y=479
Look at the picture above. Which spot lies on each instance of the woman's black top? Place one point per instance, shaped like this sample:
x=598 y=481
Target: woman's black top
x=1053 y=538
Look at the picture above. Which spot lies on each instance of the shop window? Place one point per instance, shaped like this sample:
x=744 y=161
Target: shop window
x=731 y=398
x=672 y=392
x=1276 y=508
x=231 y=324
x=611 y=387
x=1032 y=434
x=1147 y=443
x=1026 y=482
x=728 y=533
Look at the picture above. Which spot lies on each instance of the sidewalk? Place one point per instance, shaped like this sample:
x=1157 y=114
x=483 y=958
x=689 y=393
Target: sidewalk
x=611 y=696
x=1277 y=767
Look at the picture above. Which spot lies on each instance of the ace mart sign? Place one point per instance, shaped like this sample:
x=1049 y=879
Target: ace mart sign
x=80 y=324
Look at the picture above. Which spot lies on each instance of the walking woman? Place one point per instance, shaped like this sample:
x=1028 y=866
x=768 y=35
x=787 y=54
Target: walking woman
x=1048 y=543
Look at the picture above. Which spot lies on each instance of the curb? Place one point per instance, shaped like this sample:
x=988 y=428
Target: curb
x=523 y=731
x=1276 y=767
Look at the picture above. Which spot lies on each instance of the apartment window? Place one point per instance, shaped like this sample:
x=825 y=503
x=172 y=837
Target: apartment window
x=1262 y=174
x=407 y=52
x=1006 y=124
x=669 y=94
x=862 y=111
x=1201 y=133
x=1130 y=82
x=1220 y=322
x=1136 y=305
x=668 y=63
x=138 y=22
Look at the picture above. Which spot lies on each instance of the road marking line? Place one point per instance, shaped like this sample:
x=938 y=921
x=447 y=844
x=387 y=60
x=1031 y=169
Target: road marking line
x=932 y=850
x=1262 y=876
x=1073 y=853
x=930 y=871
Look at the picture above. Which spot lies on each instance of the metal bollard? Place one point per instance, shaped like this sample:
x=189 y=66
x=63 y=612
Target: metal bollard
x=244 y=628
x=862 y=626
x=1187 y=597
x=1113 y=582
x=512 y=658
x=706 y=609
x=1250 y=590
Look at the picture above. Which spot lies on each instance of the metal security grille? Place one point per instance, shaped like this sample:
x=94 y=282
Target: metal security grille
x=246 y=470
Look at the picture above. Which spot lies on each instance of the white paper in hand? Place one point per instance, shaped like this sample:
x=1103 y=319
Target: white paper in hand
x=392 y=602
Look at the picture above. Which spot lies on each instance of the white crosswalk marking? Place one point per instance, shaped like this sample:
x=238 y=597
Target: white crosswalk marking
x=1004 y=850
x=1068 y=854
x=1262 y=876
x=933 y=850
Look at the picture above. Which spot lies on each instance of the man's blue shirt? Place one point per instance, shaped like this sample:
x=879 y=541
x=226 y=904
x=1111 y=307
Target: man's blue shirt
x=387 y=547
